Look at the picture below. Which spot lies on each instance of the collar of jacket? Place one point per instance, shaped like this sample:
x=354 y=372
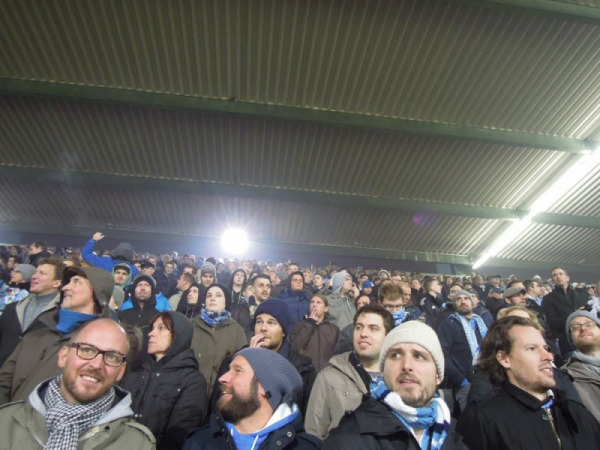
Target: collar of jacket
x=373 y=417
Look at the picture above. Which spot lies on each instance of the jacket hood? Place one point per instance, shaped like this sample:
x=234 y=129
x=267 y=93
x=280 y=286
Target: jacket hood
x=120 y=408
x=127 y=281
x=101 y=281
x=183 y=336
x=337 y=281
x=123 y=251
x=151 y=302
x=288 y=281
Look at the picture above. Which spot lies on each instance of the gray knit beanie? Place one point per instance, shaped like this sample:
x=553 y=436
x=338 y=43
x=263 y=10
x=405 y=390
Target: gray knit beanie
x=462 y=292
x=26 y=270
x=208 y=268
x=278 y=377
x=587 y=314
x=415 y=332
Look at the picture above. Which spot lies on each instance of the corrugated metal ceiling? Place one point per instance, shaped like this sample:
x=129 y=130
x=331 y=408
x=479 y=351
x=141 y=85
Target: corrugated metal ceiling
x=465 y=69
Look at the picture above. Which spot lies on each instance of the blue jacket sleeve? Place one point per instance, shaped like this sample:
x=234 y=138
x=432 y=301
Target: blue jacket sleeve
x=87 y=253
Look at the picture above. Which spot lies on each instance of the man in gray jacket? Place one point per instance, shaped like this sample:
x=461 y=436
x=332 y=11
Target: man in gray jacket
x=340 y=386
x=583 y=331
x=80 y=408
x=341 y=301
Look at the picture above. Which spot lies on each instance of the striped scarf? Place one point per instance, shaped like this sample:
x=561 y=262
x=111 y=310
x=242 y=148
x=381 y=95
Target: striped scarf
x=433 y=419
x=468 y=327
x=214 y=318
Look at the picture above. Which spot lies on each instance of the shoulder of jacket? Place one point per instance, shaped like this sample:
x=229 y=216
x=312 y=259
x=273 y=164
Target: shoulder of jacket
x=12 y=405
x=139 y=427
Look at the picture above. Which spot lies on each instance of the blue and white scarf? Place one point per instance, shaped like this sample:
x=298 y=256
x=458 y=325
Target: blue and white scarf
x=214 y=318
x=433 y=419
x=469 y=329
x=399 y=317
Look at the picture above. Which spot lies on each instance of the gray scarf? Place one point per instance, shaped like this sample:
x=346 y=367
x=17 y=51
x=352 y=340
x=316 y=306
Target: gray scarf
x=66 y=421
x=591 y=363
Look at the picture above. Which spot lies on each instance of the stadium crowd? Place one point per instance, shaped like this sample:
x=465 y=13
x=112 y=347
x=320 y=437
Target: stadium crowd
x=107 y=348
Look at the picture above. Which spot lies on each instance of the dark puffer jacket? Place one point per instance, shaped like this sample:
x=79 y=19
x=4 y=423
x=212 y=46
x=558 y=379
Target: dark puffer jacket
x=170 y=395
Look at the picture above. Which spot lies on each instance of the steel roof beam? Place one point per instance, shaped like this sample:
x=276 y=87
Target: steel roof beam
x=336 y=118
x=71 y=177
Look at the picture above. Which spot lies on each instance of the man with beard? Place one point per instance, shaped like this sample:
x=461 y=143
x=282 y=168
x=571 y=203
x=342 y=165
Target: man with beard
x=81 y=408
x=460 y=335
x=526 y=411
x=256 y=408
x=141 y=307
x=403 y=410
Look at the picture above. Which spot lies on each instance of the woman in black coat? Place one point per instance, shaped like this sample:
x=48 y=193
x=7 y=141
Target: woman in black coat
x=169 y=392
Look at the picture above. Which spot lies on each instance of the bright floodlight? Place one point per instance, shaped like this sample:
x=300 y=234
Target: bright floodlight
x=234 y=241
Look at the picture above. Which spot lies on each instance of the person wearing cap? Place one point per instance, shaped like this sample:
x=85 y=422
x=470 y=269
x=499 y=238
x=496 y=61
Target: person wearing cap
x=558 y=304
x=34 y=312
x=141 y=306
x=403 y=410
x=342 y=307
x=527 y=410
x=583 y=332
x=367 y=289
x=18 y=286
x=80 y=407
x=460 y=335
x=272 y=328
x=341 y=385
x=207 y=275
x=85 y=295
x=123 y=253
x=256 y=408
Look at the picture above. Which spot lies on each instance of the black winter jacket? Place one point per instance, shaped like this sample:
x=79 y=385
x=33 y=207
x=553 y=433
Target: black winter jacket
x=215 y=436
x=170 y=396
x=373 y=426
x=557 y=305
x=512 y=419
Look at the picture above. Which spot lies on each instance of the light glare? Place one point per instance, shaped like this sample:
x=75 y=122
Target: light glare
x=234 y=241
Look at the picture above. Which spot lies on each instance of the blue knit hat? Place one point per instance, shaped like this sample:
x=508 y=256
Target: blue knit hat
x=278 y=309
x=278 y=377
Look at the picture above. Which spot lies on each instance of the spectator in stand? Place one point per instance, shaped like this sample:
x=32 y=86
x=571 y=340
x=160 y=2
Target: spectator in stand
x=37 y=251
x=432 y=304
x=342 y=306
x=141 y=306
x=184 y=282
x=367 y=289
x=527 y=411
x=296 y=297
x=123 y=253
x=34 y=312
x=315 y=336
x=557 y=306
x=169 y=394
x=237 y=284
x=583 y=332
x=18 y=286
x=190 y=305
x=257 y=408
x=216 y=334
x=341 y=385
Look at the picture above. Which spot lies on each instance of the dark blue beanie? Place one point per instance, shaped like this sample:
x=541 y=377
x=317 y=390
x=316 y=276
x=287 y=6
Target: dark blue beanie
x=278 y=309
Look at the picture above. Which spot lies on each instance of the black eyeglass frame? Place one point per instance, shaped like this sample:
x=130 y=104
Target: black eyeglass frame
x=78 y=345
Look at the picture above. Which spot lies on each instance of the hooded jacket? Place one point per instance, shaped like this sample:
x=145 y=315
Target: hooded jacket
x=34 y=359
x=23 y=425
x=136 y=315
x=170 y=395
x=123 y=253
x=586 y=383
x=297 y=301
x=216 y=436
x=315 y=340
x=341 y=309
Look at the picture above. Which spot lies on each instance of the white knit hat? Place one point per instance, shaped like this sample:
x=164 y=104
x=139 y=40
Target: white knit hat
x=415 y=332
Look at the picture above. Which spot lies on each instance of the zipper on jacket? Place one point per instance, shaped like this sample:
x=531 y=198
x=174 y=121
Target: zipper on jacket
x=550 y=418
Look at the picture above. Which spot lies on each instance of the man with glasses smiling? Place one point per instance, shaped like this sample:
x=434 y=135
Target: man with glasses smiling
x=82 y=407
x=583 y=331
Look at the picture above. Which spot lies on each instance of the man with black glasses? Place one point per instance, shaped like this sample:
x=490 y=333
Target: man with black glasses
x=80 y=408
